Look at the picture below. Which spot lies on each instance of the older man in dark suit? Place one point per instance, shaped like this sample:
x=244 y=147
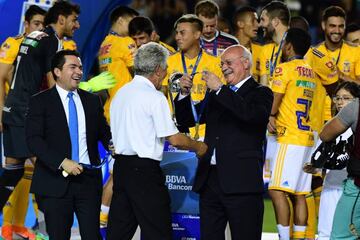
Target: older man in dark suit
x=63 y=127
x=229 y=176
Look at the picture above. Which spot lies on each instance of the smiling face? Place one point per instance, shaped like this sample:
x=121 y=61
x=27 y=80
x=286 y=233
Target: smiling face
x=71 y=25
x=334 y=29
x=69 y=76
x=266 y=24
x=234 y=65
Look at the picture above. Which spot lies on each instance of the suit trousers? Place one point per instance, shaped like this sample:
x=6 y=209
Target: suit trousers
x=244 y=212
x=83 y=197
x=140 y=198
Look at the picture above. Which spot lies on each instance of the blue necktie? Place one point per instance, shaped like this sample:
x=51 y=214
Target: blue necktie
x=234 y=88
x=73 y=128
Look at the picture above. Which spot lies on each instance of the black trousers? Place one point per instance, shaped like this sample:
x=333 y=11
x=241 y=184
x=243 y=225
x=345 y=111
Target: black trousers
x=83 y=198
x=140 y=198
x=244 y=212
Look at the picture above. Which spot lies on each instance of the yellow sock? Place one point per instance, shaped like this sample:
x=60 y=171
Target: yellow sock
x=317 y=192
x=311 y=222
x=8 y=210
x=22 y=202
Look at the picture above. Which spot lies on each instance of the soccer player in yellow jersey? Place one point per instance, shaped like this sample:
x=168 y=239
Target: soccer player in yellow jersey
x=246 y=27
x=116 y=56
x=191 y=60
x=15 y=210
x=117 y=51
x=142 y=30
x=294 y=85
x=274 y=19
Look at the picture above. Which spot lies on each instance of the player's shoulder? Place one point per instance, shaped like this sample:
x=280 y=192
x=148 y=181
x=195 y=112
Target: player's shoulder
x=318 y=50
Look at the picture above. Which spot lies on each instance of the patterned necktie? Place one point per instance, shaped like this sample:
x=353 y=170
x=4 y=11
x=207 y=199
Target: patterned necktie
x=233 y=87
x=73 y=128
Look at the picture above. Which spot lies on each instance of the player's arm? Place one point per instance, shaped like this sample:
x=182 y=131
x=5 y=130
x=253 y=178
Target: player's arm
x=274 y=111
x=5 y=70
x=332 y=129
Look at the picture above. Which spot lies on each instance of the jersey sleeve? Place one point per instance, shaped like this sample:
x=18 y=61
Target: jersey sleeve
x=280 y=79
x=48 y=48
x=9 y=50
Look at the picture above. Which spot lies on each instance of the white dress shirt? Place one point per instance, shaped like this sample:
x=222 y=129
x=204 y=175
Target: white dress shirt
x=83 y=152
x=140 y=120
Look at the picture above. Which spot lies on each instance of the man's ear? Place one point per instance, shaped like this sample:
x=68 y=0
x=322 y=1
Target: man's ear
x=323 y=25
x=197 y=34
x=61 y=19
x=240 y=24
x=275 y=22
x=57 y=72
x=154 y=37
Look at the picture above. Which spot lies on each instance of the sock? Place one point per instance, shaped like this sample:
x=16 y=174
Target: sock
x=104 y=208
x=22 y=202
x=311 y=221
x=299 y=232
x=284 y=232
x=317 y=193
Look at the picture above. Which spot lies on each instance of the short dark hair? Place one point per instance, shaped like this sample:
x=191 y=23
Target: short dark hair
x=333 y=11
x=58 y=60
x=352 y=27
x=207 y=8
x=139 y=25
x=299 y=22
x=190 y=18
x=32 y=11
x=122 y=11
x=64 y=8
x=240 y=13
x=299 y=39
x=277 y=9
x=351 y=87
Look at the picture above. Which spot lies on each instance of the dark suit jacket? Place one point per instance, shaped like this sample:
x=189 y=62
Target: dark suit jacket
x=235 y=126
x=48 y=138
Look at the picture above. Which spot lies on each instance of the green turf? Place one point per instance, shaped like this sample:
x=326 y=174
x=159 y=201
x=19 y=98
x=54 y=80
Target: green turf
x=269 y=224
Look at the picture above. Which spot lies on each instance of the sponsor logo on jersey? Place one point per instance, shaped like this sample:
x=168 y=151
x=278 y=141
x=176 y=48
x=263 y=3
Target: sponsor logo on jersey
x=305 y=84
x=105 y=61
x=30 y=42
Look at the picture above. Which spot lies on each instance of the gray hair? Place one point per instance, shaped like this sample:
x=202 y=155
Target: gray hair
x=148 y=57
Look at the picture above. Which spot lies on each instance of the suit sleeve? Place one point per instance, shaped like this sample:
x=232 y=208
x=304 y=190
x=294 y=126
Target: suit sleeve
x=255 y=111
x=35 y=135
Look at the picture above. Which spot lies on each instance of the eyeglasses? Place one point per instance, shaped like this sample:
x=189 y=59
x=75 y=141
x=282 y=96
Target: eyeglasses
x=229 y=62
x=342 y=98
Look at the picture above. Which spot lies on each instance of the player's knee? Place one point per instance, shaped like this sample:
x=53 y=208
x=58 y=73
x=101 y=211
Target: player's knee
x=10 y=177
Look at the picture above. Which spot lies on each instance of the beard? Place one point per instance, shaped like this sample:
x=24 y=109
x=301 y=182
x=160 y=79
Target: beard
x=268 y=32
x=330 y=38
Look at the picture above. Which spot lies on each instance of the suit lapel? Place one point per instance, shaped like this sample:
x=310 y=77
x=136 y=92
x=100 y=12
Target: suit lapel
x=246 y=87
x=87 y=109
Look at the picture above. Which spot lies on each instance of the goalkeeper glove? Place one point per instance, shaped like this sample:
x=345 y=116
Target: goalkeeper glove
x=104 y=80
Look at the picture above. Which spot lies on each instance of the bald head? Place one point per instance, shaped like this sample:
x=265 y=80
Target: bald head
x=236 y=64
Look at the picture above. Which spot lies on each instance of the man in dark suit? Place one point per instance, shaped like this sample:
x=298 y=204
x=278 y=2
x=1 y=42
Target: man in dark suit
x=229 y=176
x=63 y=127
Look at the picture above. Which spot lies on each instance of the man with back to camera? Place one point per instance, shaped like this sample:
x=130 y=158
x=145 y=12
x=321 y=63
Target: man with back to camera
x=140 y=122
x=229 y=176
